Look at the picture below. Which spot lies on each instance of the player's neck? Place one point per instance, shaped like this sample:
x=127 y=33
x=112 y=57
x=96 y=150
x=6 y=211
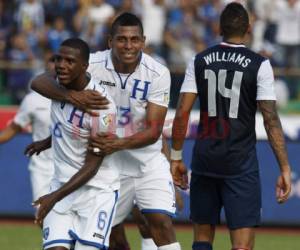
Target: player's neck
x=234 y=40
x=125 y=68
x=80 y=83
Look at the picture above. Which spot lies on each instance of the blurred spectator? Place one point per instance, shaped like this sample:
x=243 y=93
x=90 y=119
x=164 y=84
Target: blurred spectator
x=208 y=12
x=154 y=22
x=80 y=18
x=63 y=8
x=20 y=55
x=264 y=26
x=288 y=30
x=182 y=33
x=288 y=37
x=31 y=12
x=57 y=34
x=99 y=13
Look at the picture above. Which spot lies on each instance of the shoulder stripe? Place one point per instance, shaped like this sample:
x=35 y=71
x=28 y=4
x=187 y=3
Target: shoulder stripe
x=150 y=69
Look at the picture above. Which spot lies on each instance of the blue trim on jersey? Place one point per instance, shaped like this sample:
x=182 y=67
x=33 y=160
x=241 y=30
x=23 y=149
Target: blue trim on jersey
x=150 y=69
x=123 y=84
x=111 y=215
x=59 y=241
x=86 y=242
x=160 y=211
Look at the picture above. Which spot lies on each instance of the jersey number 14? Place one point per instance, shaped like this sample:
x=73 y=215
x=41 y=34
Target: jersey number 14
x=233 y=94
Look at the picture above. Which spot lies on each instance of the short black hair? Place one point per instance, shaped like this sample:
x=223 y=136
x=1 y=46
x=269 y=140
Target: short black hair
x=126 y=19
x=234 y=20
x=78 y=43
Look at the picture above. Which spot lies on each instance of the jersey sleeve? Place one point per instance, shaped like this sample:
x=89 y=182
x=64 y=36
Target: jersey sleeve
x=189 y=83
x=265 y=82
x=160 y=90
x=24 y=114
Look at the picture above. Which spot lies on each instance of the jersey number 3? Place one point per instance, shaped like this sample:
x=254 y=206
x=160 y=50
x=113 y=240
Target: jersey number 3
x=233 y=94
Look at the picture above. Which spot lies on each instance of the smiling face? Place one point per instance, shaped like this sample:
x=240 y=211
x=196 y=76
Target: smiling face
x=126 y=44
x=70 y=67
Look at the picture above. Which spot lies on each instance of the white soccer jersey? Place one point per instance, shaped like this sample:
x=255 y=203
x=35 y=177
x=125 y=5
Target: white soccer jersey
x=35 y=110
x=71 y=129
x=150 y=82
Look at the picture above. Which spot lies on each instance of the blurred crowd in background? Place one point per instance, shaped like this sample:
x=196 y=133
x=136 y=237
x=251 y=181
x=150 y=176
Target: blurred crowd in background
x=32 y=30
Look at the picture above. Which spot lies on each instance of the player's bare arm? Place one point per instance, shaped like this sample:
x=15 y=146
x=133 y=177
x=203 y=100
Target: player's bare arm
x=89 y=169
x=9 y=132
x=180 y=123
x=86 y=100
x=38 y=146
x=153 y=126
x=275 y=135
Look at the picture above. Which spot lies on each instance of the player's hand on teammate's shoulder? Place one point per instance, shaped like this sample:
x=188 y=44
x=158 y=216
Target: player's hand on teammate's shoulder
x=88 y=101
x=44 y=204
x=37 y=147
x=179 y=174
x=283 y=186
x=106 y=143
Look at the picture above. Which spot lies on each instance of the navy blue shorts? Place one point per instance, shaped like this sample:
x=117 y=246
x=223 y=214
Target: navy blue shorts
x=240 y=197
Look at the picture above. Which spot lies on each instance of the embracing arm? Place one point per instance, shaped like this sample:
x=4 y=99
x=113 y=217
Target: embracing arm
x=155 y=118
x=45 y=84
x=89 y=169
x=9 y=132
x=275 y=135
x=153 y=126
x=87 y=100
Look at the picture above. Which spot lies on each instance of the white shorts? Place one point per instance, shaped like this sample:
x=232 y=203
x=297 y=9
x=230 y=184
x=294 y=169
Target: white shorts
x=153 y=192
x=84 y=216
x=40 y=183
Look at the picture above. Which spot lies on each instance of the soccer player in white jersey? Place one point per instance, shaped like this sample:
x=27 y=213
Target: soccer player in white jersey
x=80 y=208
x=35 y=111
x=140 y=87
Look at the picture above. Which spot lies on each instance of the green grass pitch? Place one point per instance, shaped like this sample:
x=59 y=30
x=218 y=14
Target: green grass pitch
x=28 y=237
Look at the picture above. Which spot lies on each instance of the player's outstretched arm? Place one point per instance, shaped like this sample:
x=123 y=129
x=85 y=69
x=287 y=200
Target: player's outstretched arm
x=86 y=100
x=275 y=135
x=180 y=123
x=38 y=146
x=153 y=126
x=47 y=202
x=10 y=132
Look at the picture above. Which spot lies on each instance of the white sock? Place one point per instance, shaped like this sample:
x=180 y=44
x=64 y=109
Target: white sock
x=148 y=244
x=173 y=246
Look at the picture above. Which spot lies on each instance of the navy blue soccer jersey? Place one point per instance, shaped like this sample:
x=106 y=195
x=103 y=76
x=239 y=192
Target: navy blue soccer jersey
x=229 y=79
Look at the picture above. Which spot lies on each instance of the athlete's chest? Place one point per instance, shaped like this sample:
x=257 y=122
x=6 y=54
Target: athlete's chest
x=135 y=86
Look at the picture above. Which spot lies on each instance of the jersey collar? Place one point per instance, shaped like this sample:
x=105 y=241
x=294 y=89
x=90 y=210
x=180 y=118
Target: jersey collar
x=226 y=44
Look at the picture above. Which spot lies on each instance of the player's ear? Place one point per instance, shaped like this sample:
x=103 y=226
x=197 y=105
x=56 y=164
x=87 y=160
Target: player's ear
x=143 y=40
x=249 y=29
x=110 y=41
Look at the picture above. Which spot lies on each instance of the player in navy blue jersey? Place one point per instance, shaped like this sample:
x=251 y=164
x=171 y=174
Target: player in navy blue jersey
x=230 y=82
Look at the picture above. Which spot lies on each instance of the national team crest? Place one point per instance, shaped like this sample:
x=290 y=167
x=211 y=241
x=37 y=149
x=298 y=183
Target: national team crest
x=46 y=232
x=107 y=119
